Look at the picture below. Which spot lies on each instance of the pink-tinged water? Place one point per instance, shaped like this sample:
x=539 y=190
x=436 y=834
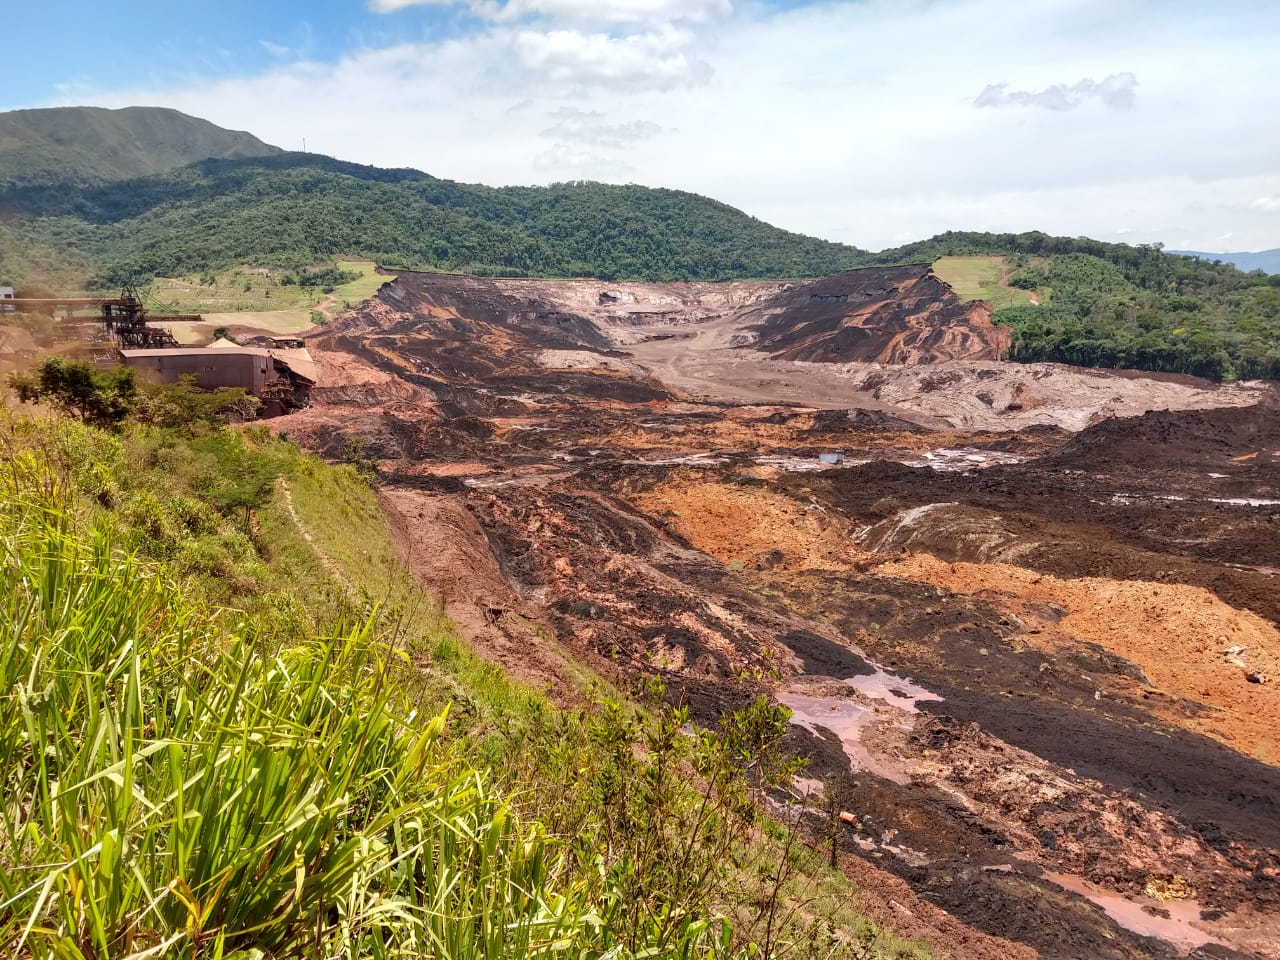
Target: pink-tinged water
x=1177 y=929
x=846 y=720
x=894 y=691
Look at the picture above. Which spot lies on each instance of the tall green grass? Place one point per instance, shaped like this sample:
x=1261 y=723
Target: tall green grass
x=173 y=786
x=231 y=732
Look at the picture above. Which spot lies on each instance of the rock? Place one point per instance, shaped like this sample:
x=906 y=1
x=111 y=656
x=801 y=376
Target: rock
x=769 y=560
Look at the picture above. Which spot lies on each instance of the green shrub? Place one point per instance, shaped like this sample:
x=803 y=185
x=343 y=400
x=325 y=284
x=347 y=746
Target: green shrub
x=100 y=397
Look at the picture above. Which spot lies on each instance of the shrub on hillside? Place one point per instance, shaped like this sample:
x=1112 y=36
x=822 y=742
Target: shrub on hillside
x=100 y=397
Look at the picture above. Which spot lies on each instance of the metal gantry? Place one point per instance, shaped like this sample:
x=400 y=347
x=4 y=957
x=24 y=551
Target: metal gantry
x=125 y=318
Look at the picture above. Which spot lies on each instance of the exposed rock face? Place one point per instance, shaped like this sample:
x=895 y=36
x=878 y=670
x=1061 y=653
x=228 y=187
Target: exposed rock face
x=886 y=315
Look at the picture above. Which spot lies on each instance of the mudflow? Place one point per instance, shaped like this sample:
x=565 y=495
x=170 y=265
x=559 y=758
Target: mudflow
x=1024 y=623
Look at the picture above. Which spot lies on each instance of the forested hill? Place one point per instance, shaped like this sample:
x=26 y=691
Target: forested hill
x=67 y=224
x=1113 y=305
x=90 y=145
x=293 y=209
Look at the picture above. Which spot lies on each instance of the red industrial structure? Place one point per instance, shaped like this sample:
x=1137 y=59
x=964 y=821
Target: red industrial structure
x=281 y=378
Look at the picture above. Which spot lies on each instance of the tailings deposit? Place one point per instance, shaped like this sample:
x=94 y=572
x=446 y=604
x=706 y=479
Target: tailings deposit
x=1027 y=617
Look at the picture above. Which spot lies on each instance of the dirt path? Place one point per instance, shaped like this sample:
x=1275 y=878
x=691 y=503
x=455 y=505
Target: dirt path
x=331 y=568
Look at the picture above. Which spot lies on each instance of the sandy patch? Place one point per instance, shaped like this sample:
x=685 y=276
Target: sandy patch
x=752 y=527
x=1176 y=634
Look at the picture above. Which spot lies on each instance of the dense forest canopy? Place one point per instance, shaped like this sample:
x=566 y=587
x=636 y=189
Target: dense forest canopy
x=294 y=209
x=1136 y=307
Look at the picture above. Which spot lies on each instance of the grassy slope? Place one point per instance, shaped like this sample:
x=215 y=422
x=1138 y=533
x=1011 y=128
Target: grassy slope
x=83 y=145
x=342 y=522
x=267 y=306
x=981 y=278
x=312 y=560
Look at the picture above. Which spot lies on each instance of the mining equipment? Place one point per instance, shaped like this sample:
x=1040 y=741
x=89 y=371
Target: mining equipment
x=125 y=318
x=280 y=372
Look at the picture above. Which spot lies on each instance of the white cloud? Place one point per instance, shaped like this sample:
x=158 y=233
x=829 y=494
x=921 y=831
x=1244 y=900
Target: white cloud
x=850 y=120
x=278 y=50
x=657 y=60
x=391 y=6
x=571 y=163
x=1116 y=91
x=593 y=127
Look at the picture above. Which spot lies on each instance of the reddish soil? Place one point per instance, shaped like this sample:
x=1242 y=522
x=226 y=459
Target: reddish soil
x=1176 y=635
x=443 y=545
x=884 y=315
x=1022 y=656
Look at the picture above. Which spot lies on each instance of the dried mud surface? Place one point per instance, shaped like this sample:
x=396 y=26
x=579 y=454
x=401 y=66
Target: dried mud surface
x=1017 y=636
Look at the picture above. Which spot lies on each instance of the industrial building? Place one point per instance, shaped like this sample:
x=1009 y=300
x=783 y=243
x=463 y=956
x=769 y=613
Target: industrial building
x=124 y=318
x=279 y=371
x=282 y=379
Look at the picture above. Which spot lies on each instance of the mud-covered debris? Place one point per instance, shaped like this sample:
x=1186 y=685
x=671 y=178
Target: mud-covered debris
x=1085 y=610
x=1168 y=888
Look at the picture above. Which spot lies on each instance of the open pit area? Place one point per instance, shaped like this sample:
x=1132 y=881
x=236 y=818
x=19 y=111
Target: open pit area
x=1028 y=622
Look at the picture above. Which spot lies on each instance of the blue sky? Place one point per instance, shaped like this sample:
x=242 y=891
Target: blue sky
x=64 y=47
x=88 y=46
x=873 y=122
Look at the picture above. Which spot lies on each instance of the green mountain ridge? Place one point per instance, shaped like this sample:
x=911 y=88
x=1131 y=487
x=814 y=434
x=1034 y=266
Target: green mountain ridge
x=90 y=145
x=291 y=209
x=1102 y=304
x=1268 y=261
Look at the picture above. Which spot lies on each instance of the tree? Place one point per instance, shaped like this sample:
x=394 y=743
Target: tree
x=248 y=490
x=100 y=397
x=183 y=404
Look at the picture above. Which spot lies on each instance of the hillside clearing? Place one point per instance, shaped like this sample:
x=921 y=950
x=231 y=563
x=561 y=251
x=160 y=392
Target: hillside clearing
x=982 y=278
x=256 y=301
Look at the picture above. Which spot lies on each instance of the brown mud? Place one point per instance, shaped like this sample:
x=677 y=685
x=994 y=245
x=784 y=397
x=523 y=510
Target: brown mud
x=1021 y=654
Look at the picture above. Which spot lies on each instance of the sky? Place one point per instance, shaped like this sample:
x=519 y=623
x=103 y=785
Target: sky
x=871 y=122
